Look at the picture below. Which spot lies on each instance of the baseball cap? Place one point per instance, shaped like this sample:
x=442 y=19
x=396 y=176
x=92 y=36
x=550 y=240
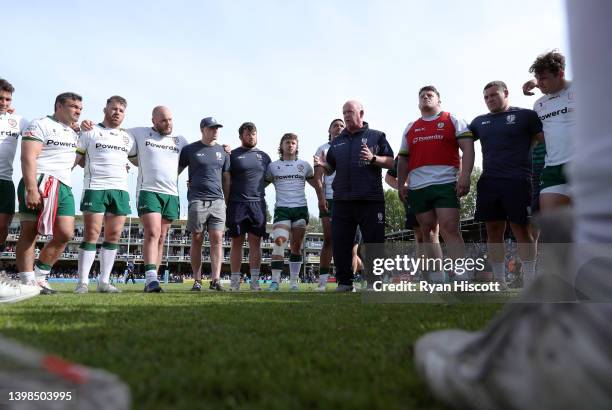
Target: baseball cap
x=209 y=122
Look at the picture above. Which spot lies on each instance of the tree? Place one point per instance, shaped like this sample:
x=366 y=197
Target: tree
x=468 y=202
x=395 y=213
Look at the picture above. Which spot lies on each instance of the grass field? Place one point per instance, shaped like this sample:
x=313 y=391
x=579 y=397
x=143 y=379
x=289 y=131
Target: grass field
x=285 y=350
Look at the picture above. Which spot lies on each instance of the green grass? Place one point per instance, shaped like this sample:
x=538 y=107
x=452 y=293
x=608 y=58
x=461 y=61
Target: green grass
x=185 y=350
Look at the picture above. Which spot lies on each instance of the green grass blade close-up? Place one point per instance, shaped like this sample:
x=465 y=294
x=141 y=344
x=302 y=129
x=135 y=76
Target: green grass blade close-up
x=187 y=350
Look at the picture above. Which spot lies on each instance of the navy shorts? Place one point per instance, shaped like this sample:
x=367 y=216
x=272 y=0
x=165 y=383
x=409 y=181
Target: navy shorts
x=501 y=199
x=246 y=217
x=411 y=221
x=536 y=178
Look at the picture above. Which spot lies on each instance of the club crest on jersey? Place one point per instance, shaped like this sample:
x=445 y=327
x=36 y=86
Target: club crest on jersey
x=12 y=122
x=219 y=157
x=380 y=217
x=126 y=140
x=175 y=140
x=364 y=140
x=259 y=156
x=441 y=124
x=570 y=96
x=510 y=118
x=300 y=168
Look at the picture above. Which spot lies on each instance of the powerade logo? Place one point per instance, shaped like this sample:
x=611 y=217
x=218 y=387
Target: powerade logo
x=115 y=147
x=564 y=110
x=61 y=144
x=154 y=145
x=289 y=177
x=9 y=134
x=428 y=138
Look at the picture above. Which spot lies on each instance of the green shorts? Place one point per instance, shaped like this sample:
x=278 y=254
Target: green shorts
x=552 y=176
x=7 y=197
x=291 y=214
x=166 y=205
x=330 y=208
x=65 y=201
x=433 y=196
x=102 y=201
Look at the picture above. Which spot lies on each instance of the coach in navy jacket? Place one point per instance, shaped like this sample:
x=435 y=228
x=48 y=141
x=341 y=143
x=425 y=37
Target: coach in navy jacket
x=357 y=156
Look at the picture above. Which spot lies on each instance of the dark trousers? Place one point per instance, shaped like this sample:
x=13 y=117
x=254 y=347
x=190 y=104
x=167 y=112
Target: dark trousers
x=347 y=215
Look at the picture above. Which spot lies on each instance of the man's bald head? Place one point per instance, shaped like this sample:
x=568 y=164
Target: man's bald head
x=352 y=111
x=162 y=120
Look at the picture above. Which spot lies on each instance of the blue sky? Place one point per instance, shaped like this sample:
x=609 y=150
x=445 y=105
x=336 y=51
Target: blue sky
x=287 y=66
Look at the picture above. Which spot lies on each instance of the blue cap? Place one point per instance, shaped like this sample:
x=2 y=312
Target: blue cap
x=209 y=122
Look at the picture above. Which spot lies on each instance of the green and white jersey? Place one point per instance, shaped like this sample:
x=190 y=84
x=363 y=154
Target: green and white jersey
x=106 y=153
x=558 y=119
x=11 y=126
x=158 y=158
x=289 y=179
x=59 y=147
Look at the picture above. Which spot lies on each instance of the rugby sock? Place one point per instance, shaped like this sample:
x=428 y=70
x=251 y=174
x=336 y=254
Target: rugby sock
x=27 y=277
x=498 y=271
x=150 y=273
x=277 y=269
x=107 y=260
x=295 y=265
x=323 y=276
x=87 y=255
x=235 y=279
x=254 y=276
x=41 y=270
x=529 y=271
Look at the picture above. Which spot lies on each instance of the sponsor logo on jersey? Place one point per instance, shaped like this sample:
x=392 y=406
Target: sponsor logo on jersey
x=485 y=122
x=12 y=122
x=427 y=138
x=114 y=147
x=154 y=145
x=10 y=134
x=60 y=143
x=419 y=129
x=510 y=119
x=563 y=110
x=289 y=177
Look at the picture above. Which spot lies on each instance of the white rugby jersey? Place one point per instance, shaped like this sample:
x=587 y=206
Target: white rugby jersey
x=106 y=152
x=558 y=118
x=327 y=179
x=11 y=126
x=59 y=147
x=289 y=178
x=158 y=158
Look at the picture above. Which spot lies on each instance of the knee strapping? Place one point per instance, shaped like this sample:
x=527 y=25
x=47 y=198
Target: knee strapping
x=279 y=250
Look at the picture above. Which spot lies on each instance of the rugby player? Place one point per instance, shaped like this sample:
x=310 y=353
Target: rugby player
x=429 y=163
x=556 y=110
x=503 y=192
x=103 y=153
x=47 y=158
x=289 y=176
x=246 y=211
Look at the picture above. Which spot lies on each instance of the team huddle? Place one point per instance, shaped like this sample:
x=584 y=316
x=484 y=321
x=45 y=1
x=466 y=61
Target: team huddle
x=226 y=190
